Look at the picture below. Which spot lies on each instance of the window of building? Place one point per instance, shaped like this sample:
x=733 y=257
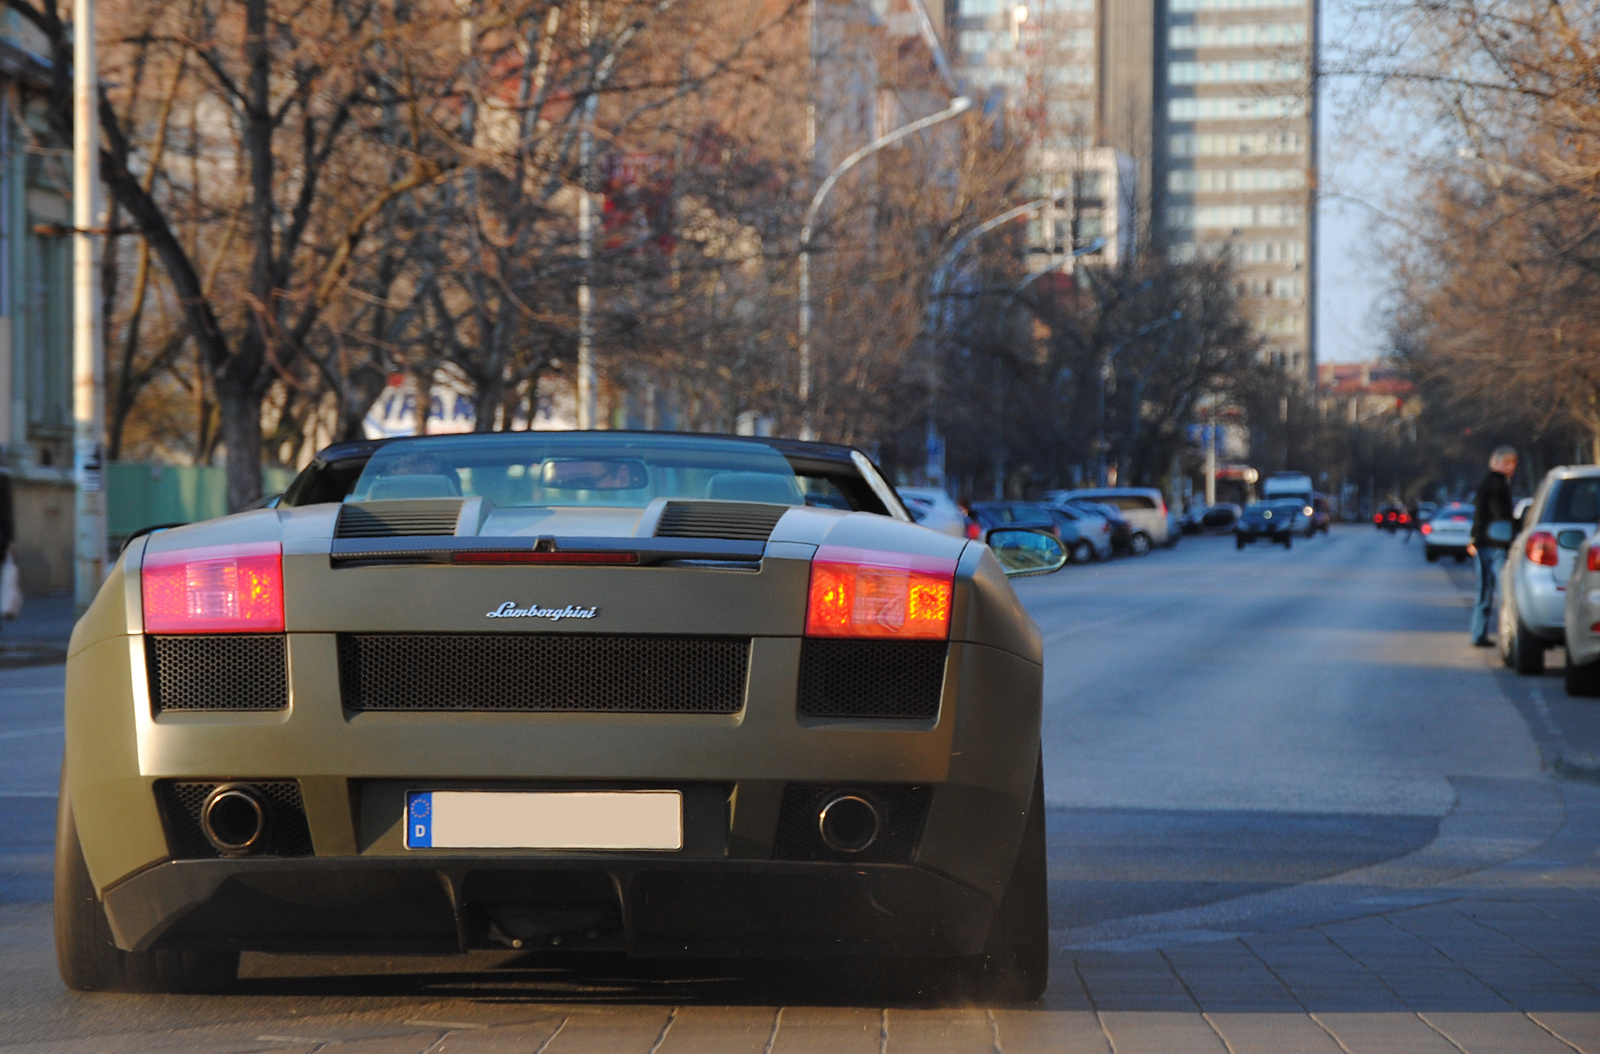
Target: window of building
x=1088 y=185
x=1283 y=325
x=1236 y=107
x=1073 y=74
x=1087 y=225
x=1237 y=34
x=1265 y=252
x=982 y=41
x=1231 y=5
x=1214 y=180
x=1236 y=215
x=1073 y=113
x=994 y=76
x=1288 y=288
x=1237 y=144
x=1235 y=71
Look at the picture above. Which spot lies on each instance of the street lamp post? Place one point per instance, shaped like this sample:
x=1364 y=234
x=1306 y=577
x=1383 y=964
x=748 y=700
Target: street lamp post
x=88 y=361
x=960 y=104
x=1105 y=377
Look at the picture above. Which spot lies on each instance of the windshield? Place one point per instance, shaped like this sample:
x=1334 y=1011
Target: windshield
x=530 y=469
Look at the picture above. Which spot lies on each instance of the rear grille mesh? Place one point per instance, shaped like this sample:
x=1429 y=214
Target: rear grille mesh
x=398 y=518
x=871 y=678
x=287 y=831
x=900 y=812
x=233 y=671
x=544 y=673
x=731 y=520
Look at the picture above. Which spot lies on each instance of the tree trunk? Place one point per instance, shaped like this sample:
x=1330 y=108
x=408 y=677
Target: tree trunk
x=241 y=431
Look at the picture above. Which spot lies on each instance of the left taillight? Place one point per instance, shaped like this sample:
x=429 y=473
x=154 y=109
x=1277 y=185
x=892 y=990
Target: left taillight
x=866 y=593
x=216 y=589
x=1594 y=559
x=1541 y=549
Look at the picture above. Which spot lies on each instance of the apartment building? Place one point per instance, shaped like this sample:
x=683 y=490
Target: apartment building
x=1235 y=154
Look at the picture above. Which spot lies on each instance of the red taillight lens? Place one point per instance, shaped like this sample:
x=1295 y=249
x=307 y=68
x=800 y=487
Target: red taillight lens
x=218 y=589
x=974 y=532
x=1427 y=528
x=1594 y=559
x=1541 y=549
x=864 y=593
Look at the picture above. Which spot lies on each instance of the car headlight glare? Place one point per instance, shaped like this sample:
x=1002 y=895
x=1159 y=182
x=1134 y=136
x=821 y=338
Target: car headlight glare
x=865 y=593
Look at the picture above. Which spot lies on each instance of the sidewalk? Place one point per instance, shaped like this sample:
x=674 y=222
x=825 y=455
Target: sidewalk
x=39 y=636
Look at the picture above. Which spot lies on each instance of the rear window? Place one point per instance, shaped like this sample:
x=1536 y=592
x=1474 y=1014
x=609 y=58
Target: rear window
x=1574 y=501
x=1129 y=502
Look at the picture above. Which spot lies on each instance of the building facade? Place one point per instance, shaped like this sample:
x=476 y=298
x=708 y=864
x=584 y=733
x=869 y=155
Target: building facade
x=1235 y=171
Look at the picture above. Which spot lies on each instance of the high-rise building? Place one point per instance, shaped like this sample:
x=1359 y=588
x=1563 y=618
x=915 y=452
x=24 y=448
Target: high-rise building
x=1235 y=148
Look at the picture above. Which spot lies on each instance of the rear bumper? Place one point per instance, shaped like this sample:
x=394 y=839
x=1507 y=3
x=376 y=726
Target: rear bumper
x=644 y=907
x=1540 y=604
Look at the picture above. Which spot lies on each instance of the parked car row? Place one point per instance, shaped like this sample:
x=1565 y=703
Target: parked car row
x=1275 y=520
x=1094 y=524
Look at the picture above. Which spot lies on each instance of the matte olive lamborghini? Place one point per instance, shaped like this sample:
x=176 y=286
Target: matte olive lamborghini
x=642 y=693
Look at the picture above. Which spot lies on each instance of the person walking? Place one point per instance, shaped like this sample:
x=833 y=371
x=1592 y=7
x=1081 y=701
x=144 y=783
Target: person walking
x=1492 y=531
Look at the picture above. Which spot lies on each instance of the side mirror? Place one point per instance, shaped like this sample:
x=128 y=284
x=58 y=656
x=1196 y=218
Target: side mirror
x=1026 y=552
x=1519 y=512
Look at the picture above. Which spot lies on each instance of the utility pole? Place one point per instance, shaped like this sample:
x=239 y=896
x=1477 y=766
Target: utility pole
x=88 y=359
x=586 y=377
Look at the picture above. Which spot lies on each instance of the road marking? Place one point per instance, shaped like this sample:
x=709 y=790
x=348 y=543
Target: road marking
x=26 y=732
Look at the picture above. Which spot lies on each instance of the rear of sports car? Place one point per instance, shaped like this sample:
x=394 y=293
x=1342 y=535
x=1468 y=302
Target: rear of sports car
x=415 y=721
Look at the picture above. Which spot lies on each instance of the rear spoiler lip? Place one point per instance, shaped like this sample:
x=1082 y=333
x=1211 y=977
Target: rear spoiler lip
x=439 y=549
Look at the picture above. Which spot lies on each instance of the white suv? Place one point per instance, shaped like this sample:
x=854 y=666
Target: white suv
x=1143 y=507
x=1533 y=585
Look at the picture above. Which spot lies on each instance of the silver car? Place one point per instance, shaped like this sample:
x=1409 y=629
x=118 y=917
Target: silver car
x=1533 y=613
x=1447 y=531
x=1143 y=507
x=1583 y=620
x=934 y=509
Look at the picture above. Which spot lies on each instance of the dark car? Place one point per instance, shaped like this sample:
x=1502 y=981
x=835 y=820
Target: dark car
x=1391 y=516
x=1321 y=515
x=1270 y=521
x=1124 y=539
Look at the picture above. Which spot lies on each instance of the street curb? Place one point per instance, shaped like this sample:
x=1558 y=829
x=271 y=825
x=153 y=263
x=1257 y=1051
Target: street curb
x=16 y=656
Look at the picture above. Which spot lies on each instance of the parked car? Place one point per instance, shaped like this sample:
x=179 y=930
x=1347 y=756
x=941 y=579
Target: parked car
x=1271 y=521
x=1086 y=535
x=1212 y=519
x=1125 y=538
x=1321 y=515
x=988 y=515
x=1143 y=507
x=490 y=691
x=1448 y=532
x=934 y=509
x=1533 y=585
x=1582 y=615
x=1424 y=511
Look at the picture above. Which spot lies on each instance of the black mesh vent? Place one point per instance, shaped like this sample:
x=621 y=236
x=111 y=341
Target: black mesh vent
x=287 y=832
x=733 y=520
x=871 y=678
x=900 y=812
x=639 y=675
x=228 y=671
x=398 y=519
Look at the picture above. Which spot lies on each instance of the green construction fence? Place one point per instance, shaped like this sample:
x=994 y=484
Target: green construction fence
x=139 y=495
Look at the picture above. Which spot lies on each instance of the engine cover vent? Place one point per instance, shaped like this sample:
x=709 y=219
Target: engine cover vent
x=399 y=518
x=744 y=521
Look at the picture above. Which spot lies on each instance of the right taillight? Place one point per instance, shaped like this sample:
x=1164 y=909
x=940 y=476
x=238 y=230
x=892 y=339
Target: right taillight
x=974 y=532
x=1427 y=528
x=1541 y=549
x=867 y=593
x=1594 y=559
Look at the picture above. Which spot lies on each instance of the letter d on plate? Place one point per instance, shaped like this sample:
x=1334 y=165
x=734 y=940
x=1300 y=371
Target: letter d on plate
x=419 y=819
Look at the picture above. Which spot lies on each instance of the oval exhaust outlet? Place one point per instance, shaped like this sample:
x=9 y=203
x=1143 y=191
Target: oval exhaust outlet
x=234 y=819
x=848 y=823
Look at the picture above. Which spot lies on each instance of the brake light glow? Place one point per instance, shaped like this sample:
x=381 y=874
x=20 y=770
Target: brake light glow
x=1541 y=549
x=1377 y=517
x=1427 y=528
x=974 y=532
x=866 y=593
x=1594 y=559
x=216 y=589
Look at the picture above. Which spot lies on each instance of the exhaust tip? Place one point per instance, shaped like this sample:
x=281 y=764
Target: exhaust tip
x=234 y=819
x=848 y=823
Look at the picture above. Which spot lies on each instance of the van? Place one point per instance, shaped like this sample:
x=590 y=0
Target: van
x=1143 y=507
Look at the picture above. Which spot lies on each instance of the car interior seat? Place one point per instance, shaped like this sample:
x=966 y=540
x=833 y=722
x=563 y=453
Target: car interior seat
x=429 y=485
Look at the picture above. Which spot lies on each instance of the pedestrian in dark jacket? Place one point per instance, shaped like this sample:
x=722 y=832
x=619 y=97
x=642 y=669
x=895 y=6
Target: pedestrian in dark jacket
x=1492 y=529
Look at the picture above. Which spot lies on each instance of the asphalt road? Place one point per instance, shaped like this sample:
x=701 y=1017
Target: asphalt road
x=1289 y=809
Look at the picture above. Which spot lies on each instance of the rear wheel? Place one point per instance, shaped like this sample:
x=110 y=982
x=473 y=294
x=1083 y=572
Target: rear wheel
x=1239 y=541
x=1082 y=552
x=1288 y=541
x=1582 y=679
x=1523 y=652
x=1139 y=544
x=86 y=956
x=1431 y=553
x=1015 y=964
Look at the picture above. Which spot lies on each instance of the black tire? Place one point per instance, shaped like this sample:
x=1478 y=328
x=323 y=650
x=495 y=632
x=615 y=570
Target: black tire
x=1431 y=554
x=1288 y=540
x=1082 y=552
x=1524 y=652
x=1461 y=558
x=87 y=958
x=1015 y=964
x=1239 y=539
x=1139 y=544
x=1582 y=681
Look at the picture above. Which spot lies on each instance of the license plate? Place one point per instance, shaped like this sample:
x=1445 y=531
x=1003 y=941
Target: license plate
x=628 y=820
